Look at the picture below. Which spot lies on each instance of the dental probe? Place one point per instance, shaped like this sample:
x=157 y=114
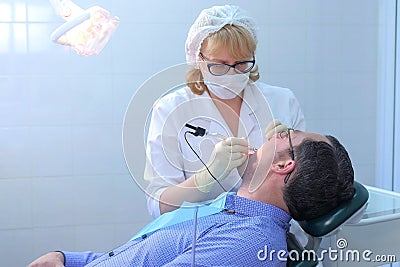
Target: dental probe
x=200 y=131
x=252 y=150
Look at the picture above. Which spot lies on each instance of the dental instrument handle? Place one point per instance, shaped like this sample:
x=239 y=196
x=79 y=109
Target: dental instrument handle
x=221 y=137
x=217 y=135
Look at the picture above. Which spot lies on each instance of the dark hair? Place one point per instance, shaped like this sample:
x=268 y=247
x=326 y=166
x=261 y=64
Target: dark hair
x=323 y=179
x=346 y=172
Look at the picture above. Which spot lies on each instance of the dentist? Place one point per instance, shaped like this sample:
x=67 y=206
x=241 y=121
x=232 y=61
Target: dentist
x=223 y=96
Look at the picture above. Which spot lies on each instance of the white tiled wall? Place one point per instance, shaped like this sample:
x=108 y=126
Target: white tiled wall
x=63 y=179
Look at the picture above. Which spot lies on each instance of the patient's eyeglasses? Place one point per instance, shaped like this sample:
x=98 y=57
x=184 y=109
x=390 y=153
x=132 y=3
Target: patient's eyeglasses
x=285 y=134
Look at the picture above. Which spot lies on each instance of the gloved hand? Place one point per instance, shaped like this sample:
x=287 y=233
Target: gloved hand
x=274 y=127
x=227 y=155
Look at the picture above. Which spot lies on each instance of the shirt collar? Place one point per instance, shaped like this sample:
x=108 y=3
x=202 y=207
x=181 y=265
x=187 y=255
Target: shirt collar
x=251 y=207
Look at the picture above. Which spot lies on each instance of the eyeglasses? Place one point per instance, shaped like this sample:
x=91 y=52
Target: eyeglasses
x=285 y=134
x=219 y=69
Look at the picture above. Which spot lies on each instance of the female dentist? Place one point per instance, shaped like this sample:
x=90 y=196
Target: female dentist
x=222 y=96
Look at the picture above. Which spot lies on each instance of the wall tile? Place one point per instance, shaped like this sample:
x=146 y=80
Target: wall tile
x=125 y=86
x=356 y=54
x=286 y=47
x=324 y=48
x=95 y=204
x=52 y=202
x=58 y=107
x=52 y=151
x=283 y=12
x=17 y=193
x=16 y=152
x=14 y=101
x=16 y=247
x=97 y=150
x=92 y=100
x=131 y=53
x=127 y=190
x=53 y=238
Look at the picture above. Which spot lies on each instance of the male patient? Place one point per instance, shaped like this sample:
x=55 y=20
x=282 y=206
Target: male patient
x=294 y=175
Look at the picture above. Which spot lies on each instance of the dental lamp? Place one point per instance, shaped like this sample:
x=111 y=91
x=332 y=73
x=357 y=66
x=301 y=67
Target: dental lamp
x=86 y=31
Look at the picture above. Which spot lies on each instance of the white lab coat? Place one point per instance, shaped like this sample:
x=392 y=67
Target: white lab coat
x=169 y=158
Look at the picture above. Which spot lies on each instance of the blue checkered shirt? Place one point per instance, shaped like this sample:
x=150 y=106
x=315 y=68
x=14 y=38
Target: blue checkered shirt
x=253 y=235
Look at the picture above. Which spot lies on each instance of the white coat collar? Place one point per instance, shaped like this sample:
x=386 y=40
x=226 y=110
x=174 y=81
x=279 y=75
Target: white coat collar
x=248 y=109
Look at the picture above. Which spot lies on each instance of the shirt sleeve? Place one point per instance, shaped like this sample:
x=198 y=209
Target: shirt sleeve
x=244 y=249
x=79 y=259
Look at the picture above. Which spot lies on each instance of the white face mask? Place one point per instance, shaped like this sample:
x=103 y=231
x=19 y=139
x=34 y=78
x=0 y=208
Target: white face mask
x=226 y=86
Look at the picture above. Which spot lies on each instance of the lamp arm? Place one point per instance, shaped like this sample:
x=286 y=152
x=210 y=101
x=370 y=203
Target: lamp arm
x=66 y=8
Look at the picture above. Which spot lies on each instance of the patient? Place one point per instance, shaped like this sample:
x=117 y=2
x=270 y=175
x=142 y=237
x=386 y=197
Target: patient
x=294 y=175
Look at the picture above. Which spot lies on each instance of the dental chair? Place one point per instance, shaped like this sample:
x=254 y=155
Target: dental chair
x=349 y=212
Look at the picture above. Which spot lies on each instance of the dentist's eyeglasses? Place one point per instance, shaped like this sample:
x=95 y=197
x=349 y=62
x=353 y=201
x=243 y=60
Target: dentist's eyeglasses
x=285 y=134
x=219 y=69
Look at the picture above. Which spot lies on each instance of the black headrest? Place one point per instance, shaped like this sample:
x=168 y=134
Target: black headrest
x=325 y=224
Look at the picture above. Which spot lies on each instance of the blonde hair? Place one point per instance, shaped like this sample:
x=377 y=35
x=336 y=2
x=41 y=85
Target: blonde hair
x=240 y=44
